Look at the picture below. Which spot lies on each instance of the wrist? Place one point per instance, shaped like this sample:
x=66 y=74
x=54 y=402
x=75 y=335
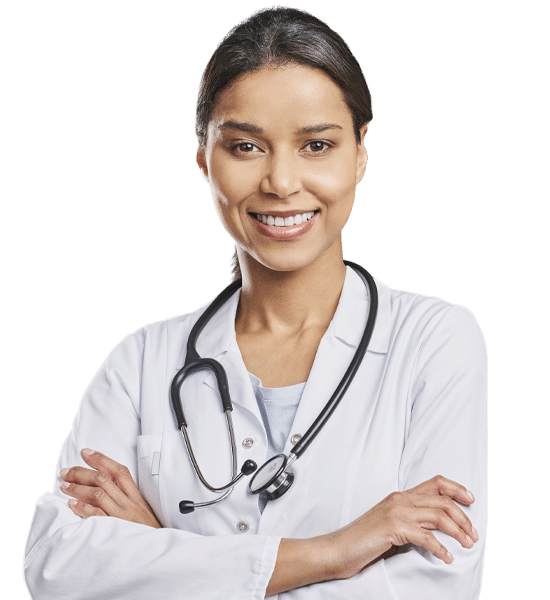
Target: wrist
x=301 y=562
x=332 y=556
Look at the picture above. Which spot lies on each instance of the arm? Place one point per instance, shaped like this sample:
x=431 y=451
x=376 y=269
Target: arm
x=447 y=429
x=447 y=435
x=109 y=490
x=69 y=557
x=400 y=519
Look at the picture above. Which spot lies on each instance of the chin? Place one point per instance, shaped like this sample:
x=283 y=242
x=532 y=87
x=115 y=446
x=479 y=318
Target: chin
x=295 y=259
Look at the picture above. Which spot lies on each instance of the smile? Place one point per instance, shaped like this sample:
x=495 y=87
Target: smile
x=284 y=227
x=277 y=221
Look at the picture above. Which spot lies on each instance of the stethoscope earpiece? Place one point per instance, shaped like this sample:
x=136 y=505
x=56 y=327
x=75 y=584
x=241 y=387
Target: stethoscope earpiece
x=272 y=477
x=186 y=507
x=249 y=466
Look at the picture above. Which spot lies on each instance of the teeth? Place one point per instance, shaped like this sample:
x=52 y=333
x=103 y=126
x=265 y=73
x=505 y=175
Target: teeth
x=287 y=221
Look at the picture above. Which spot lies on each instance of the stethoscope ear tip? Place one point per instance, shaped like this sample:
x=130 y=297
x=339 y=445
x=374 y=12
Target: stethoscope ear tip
x=249 y=466
x=186 y=507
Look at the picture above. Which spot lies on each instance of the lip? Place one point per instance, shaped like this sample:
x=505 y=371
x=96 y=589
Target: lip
x=283 y=233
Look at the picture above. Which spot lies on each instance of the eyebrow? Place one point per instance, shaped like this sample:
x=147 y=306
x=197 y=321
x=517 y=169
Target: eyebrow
x=317 y=128
x=248 y=127
x=251 y=128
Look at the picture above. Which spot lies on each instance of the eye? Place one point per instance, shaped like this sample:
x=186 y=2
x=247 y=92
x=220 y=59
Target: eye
x=244 y=148
x=317 y=147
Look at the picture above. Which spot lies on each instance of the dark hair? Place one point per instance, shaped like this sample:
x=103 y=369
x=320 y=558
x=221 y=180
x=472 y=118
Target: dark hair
x=276 y=37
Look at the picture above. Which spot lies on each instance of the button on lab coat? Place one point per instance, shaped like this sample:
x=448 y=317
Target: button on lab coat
x=416 y=409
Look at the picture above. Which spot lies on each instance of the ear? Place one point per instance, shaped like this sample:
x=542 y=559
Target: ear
x=361 y=155
x=201 y=161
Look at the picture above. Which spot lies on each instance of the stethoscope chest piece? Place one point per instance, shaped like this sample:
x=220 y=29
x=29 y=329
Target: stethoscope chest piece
x=273 y=477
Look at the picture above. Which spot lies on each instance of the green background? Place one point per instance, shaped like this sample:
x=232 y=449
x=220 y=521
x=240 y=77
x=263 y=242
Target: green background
x=107 y=225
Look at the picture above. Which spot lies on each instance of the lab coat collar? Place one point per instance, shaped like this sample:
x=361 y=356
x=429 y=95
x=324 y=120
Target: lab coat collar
x=351 y=314
x=219 y=333
x=218 y=340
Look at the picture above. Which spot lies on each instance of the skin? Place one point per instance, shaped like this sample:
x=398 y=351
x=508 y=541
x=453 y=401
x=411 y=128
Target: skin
x=290 y=289
x=259 y=159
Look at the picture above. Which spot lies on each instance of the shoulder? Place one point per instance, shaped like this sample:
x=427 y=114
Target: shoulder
x=428 y=312
x=430 y=321
x=159 y=338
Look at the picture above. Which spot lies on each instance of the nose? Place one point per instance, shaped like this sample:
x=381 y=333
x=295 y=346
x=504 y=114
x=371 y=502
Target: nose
x=282 y=175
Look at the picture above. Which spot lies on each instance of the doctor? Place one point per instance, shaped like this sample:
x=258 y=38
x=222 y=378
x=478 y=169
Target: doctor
x=389 y=501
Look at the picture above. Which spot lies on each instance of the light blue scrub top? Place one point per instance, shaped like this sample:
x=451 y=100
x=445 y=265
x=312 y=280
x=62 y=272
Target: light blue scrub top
x=277 y=407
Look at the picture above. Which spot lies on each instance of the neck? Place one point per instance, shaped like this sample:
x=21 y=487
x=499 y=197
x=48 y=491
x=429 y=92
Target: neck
x=286 y=302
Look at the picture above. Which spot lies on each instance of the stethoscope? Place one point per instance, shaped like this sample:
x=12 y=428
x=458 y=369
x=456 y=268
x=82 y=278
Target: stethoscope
x=272 y=477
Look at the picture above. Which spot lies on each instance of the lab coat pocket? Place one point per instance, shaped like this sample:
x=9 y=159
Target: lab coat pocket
x=148 y=455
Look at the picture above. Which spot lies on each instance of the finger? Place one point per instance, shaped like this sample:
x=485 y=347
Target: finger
x=117 y=472
x=92 y=478
x=85 y=510
x=450 y=508
x=440 y=485
x=94 y=496
x=426 y=539
x=435 y=518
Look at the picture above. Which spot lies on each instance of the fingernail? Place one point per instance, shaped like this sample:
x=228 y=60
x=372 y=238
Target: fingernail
x=469 y=541
x=450 y=557
x=476 y=534
x=87 y=451
x=471 y=496
x=64 y=485
x=72 y=502
x=63 y=472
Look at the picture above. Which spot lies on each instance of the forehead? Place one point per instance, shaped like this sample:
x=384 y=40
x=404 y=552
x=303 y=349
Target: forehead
x=293 y=96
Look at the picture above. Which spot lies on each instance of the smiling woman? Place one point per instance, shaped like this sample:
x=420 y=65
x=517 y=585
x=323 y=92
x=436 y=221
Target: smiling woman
x=385 y=389
x=280 y=143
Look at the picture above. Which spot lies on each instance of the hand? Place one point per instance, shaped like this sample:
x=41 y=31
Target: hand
x=106 y=490
x=402 y=518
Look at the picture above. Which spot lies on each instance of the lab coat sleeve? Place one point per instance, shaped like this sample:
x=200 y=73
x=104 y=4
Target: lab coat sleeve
x=447 y=436
x=105 y=557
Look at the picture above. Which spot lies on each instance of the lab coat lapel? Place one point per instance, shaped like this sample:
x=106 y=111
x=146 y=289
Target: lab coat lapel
x=331 y=361
x=199 y=396
x=218 y=340
x=335 y=353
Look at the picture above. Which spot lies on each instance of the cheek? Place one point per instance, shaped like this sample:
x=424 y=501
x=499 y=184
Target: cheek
x=336 y=188
x=230 y=185
x=339 y=184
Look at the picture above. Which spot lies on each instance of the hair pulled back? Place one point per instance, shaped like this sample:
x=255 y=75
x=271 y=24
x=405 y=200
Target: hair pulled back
x=277 y=37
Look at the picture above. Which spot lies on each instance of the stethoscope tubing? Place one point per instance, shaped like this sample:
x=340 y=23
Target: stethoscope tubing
x=193 y=363
x=300 y=447
x=195 y=464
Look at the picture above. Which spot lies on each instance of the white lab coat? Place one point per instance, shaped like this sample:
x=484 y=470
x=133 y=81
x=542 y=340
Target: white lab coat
x=416 y=409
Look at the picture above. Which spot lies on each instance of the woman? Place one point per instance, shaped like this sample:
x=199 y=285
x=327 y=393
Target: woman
x=381 y=497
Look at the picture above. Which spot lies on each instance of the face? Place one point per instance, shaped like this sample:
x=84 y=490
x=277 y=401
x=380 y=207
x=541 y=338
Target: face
x=283 y=163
